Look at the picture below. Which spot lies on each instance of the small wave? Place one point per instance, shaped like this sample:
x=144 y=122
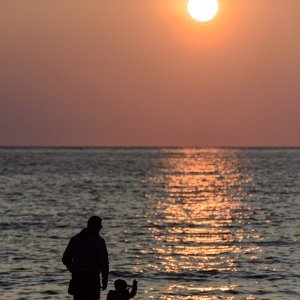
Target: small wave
x=195 y=276
x=123 y=274
x=49 y=292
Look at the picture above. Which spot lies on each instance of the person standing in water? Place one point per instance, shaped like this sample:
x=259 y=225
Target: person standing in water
x=86 y=257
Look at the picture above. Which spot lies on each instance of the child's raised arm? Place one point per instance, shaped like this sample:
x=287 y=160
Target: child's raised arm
x=134 y=289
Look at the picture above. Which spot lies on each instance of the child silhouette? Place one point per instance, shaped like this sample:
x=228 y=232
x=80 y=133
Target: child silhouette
x=121 y=291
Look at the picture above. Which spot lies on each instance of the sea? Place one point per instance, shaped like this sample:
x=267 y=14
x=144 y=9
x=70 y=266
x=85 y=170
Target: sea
x=186 y=223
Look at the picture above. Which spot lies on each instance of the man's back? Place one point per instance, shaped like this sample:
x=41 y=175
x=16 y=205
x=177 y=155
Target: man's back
x=86 y=252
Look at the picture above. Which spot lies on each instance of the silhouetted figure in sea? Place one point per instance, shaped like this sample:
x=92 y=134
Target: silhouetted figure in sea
x=121 y=291
x=86 y=258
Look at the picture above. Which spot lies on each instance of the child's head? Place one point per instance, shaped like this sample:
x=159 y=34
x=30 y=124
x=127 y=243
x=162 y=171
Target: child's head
x=120 y=285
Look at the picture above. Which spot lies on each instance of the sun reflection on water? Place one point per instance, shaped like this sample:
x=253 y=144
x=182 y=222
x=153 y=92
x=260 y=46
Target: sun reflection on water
x=199 y=217
x=196 y=291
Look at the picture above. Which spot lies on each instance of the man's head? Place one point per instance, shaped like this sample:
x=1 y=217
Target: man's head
x=94 y=223
x=120 y=285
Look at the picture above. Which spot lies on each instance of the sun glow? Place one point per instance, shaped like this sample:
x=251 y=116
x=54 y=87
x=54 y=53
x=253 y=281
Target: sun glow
x=203 y=10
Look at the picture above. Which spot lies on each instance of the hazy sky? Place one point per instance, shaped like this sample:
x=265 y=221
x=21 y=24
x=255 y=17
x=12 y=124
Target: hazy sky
x=142 y=72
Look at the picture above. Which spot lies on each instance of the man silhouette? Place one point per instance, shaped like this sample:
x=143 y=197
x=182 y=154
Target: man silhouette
x=86 y=258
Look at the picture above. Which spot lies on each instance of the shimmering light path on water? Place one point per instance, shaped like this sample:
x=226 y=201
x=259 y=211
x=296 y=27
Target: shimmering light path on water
x=199 y=224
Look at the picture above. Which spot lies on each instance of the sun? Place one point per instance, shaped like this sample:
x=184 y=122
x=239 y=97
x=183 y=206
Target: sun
x=203 y=10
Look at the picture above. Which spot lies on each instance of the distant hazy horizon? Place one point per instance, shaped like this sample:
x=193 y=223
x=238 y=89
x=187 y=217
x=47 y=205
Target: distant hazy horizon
x=143 y=147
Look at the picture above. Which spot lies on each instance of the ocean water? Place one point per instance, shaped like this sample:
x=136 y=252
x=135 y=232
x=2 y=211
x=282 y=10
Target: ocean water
x=186 y=223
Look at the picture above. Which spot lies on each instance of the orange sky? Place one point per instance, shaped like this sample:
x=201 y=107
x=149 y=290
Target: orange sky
x=143 y=73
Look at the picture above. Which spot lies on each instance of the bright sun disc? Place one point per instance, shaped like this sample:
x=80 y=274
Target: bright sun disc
x=203 y=10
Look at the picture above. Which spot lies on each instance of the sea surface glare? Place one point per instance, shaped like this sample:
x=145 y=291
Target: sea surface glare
x=188 y=224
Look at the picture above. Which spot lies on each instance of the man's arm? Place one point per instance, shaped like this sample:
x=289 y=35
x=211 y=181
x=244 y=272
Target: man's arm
x=104 y=265
x=67 y=257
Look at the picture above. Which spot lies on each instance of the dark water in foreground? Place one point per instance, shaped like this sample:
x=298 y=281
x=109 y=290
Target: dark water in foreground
x=187 y=223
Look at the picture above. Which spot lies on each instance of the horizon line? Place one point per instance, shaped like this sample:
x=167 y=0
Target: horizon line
x=140 y=147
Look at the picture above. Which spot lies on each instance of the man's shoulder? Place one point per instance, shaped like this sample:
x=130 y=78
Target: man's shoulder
x=101 y=241
x=95 y=239
x=100 y=238
x=75 y=237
